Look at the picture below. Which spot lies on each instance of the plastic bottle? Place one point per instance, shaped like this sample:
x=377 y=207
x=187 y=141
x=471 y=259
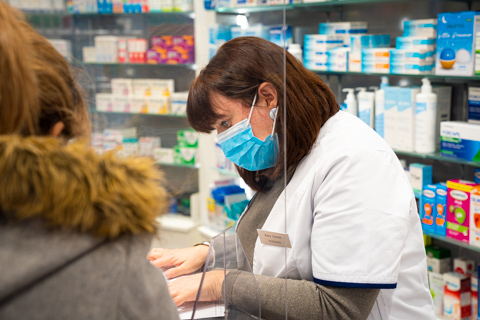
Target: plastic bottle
x=380 y=107
x=350 y=103
x=366 y=101
x=426 y=119
x=296 y=50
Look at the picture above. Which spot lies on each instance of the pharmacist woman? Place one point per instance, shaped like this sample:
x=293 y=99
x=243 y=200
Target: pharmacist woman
x=356 y=242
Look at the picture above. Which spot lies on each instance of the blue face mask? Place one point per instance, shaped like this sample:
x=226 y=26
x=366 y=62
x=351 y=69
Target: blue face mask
x=247 y=151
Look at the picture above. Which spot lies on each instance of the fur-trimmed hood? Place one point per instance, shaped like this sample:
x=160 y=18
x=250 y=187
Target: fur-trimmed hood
x=70 y=187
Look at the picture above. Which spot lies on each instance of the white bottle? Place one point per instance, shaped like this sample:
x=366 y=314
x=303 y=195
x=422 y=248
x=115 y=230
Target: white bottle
x=296 y=50
x=425 y=119
x=350 y=103
x=366 y=102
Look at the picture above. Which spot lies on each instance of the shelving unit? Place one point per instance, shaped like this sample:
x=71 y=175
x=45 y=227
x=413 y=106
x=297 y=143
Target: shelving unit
x=154 y=65
x=179 y=165
x=144 y=114
x=431 y=76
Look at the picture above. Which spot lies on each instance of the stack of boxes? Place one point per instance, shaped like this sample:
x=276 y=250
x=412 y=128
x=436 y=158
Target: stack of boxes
x=153 y=96
x=128 y=6
x=64 y=47
x=165 y=50
x=375 y=53
x=315 y=50
x=415 y=49
x=172 y=50
x=38 y=6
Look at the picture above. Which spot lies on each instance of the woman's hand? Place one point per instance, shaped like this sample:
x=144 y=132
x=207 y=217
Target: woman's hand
x=183 y=261
x=185 y=289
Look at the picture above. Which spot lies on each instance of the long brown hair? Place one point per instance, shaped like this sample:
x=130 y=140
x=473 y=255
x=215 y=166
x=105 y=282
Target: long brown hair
x=37 y=88
x=237 y=70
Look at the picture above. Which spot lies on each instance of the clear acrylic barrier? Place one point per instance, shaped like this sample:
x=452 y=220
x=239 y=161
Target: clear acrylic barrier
x=226 y=253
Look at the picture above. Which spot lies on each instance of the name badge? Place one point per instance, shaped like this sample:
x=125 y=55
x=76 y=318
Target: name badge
x=274 y=238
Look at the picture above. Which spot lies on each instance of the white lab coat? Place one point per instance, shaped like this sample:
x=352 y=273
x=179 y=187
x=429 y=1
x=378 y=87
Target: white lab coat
x=352 y=222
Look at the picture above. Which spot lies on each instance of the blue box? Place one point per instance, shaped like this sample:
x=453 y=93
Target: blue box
x=456 y=43
x=441 y=209
x=474 y=104
x=427 y=210
x=476 y=176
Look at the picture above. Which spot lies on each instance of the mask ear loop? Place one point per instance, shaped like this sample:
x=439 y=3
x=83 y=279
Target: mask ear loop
x=251 y=110
x=274 y=122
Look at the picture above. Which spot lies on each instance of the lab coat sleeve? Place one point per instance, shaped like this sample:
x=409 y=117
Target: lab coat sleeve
x=361 y=202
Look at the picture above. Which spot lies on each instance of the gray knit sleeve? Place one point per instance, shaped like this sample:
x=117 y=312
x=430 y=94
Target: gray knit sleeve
x=306 y=300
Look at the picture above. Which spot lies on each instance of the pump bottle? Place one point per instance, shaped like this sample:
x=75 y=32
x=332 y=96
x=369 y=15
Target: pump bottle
x=425 y=119
x=350 y=103
x=380 y=107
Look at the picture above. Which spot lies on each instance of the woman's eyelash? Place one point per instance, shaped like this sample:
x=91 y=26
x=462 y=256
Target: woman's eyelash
x=224 y=123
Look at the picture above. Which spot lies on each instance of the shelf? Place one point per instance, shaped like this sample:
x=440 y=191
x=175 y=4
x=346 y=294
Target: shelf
x=431 y=76
x=143 y=114
x=294 y=6
x=437 y=156
x=95 y=14
x=108 y=64
x=179 y=165
x=452 y=241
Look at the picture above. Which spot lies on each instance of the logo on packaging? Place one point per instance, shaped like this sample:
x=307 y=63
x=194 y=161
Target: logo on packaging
x=450 y=133
x=429 y=193
x=452 y=286
x=441 y=192
x=458 y=195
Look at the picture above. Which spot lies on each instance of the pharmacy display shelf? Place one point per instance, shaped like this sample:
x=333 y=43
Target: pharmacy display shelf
x=143 y=114
x=306 y=6
x=437 y=156
x=452 y=241
x=154 y=65
x=179 y=165
x=431 y=76
x=94 y=14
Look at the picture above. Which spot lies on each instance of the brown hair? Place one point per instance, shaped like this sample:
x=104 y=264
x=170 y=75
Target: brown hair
x=37 y=88
x=237 y=70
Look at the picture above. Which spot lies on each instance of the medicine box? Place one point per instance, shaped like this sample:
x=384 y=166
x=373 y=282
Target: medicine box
x=438 y=259
x=456 y=43
x=475 y=216
x=458 y=209
x=457 y=296
x=187 y=138
x=464 y=266
x=420 y=176
x=421 y=27
x=427 y=210
x=122 y=87
x=441 y=209
x=474 y=292
x=185 y=155
x=104 y=102
x=474 y=105
x=460 y=140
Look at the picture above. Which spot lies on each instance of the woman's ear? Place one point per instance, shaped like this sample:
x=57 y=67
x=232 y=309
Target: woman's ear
x=268 y=93
x=57 y=129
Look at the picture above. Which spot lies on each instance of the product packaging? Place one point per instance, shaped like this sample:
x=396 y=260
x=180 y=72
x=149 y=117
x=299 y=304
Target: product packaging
x=457 y=296
x=425 y=119
x=460 y=140
x=420 y=176
x=406 y=118
x=435 y=283
x=427 y=210
x=475 y=216
x=455 y=43
x=104 y=102
x=187 y=138
x=441 y=209
x=458 y=209
x=474 y=104
x=464 y=266
x=438 y=259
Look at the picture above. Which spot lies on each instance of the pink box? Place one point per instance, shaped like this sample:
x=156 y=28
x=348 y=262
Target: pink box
x=185 y=42
x=161 y=42
x=176 y=57
x=458 y=209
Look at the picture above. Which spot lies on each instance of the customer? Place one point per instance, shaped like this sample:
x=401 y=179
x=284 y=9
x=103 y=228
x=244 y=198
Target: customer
x=74 y=227
x=349 y=210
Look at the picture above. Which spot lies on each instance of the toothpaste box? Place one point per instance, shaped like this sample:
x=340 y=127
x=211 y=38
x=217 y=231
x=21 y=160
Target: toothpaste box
x=435 y=283
x=460 y=140
x=475 y=216
x=457 y=296
x=474 y=104
x=421 y=27
x=427 y=210
x=441 y=209
x=458 y=209
x=456 y=43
